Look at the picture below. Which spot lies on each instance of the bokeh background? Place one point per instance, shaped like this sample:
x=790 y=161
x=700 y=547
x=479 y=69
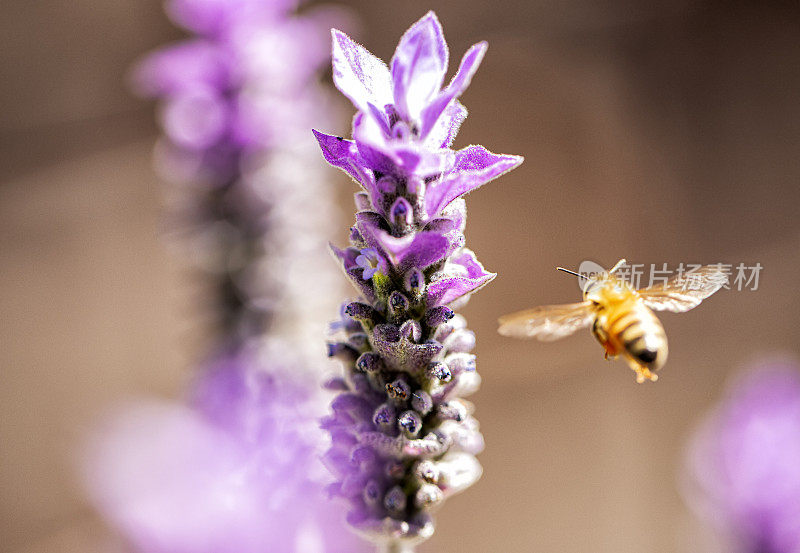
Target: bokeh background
x=657 y=131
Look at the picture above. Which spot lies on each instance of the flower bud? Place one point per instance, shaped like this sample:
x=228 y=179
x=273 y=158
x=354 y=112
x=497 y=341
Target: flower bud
x=362 y=312
x=358 y=340
x=401 y=214
x=438 y=315
x=369 y=362
x=372 y=493
x=410 y=423
x=395 y=469
x=422 y=402
x=358 y=382
x=411 y=330
x=426 y=471
x=461 y=363
x=398 y=390
x=427 y=496
x=356 y=239
x=395 y=501
x=439 y=371
x=362 y=456
x=452 y=410
x=414 y=281
x=398 y=305
x=415 y=185
x=461 y=341
x=342 y=352
x=384 y=417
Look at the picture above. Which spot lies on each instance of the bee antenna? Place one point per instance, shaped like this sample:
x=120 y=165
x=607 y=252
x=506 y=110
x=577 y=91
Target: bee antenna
x=619 y=264
x=572 y=272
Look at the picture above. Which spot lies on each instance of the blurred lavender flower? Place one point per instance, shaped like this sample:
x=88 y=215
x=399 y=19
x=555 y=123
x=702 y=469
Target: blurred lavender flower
x=236 y=102
x=744 y=462
x=243 y=83
x=237 y=470
x=403 y=439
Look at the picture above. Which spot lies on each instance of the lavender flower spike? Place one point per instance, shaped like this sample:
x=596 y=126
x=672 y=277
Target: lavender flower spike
x=402 y=438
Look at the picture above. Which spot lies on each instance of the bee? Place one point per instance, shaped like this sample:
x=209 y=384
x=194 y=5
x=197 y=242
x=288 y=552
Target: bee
x=621 y=317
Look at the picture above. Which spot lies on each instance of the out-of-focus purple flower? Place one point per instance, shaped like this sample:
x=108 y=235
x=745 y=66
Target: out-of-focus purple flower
x=243 y=84
x=235 y=102
x=237 y=470
x=212 y=17
x=402 y=437
x=744 y=461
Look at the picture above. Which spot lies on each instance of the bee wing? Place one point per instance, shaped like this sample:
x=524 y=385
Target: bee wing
x=547 y=322
x=684 y=292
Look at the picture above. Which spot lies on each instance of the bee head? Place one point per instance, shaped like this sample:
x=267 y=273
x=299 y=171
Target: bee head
x=594 y=288
x=605 y=288
x=588 y=284
x=599 y=286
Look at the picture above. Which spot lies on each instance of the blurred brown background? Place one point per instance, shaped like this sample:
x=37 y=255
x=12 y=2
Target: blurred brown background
x=656 y=131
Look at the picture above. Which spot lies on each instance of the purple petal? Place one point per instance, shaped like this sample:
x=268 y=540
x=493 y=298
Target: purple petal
x=379 y=117
x=423 y=162
x=418 y=67
x=382 y=153
x=370 y=225
x=344 y=154
x=473 y=268
x=419 y=250
x=474 y=167
x=347 y=257
x=463 y=276
x=469 y=64
x=374 y=145
x=362 y=77
x=456 y=211
x=446 y=126
x=451 y=224
x=340 y=152
x=354 y=273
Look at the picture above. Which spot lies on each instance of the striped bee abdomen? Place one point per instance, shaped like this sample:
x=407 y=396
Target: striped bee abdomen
x=637 y=330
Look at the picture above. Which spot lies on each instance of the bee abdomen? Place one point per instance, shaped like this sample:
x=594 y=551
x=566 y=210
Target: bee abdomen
x=643 y=338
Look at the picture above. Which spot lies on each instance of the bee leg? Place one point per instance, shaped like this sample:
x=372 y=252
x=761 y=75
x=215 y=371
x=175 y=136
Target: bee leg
x=642 y=372
x=602 y=336
x=610 y=351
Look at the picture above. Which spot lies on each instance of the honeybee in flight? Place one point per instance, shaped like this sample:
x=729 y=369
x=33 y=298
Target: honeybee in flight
x=621 y=316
